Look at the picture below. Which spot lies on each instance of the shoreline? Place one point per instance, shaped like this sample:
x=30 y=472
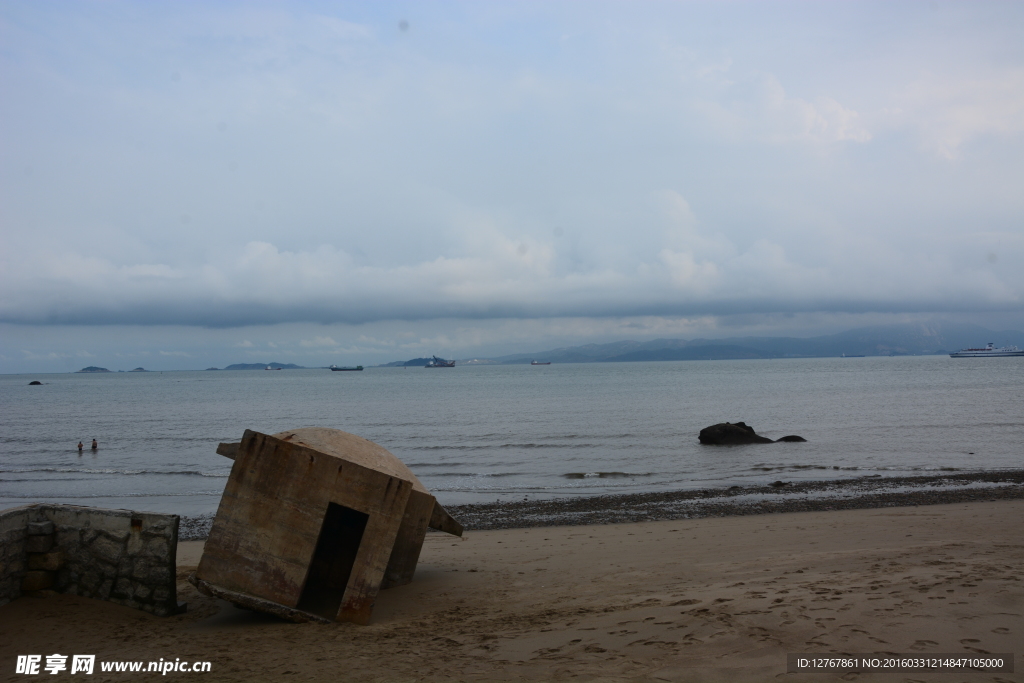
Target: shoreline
x=805 y=496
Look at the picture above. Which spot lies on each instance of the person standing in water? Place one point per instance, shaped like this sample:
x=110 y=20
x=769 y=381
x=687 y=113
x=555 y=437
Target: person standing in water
x=80 y=446
x=94 y=444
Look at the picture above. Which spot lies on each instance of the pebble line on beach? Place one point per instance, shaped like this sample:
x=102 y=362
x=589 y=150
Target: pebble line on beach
x=845 y=494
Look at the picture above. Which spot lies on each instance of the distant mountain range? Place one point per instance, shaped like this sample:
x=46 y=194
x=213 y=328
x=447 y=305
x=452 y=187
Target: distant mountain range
x=909 y=339
x=414 y=363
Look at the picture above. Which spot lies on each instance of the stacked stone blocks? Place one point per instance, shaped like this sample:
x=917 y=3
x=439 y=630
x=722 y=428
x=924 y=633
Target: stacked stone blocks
x=13 y=557
x=116 y=555
x=42 y=557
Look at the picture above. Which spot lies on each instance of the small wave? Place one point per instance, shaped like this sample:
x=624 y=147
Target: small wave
x=435 y=464
x=178 y=494
x=77 y=470
x=487 y=447
x=605 y=475
x=432 y=475
x=469 y=474
x=45 y=479
x=928 y=468
x=789 y=468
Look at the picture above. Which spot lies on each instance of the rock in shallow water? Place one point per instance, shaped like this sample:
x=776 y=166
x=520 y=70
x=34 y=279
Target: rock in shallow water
x=729 y=434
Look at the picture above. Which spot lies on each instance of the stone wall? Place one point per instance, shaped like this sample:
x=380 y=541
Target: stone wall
x=116 y=555
x=13 y=559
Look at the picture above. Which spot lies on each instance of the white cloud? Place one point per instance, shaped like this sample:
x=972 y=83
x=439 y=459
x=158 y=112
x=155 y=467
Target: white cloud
x=318 y=342
x=687 y=273
x=52 y=355
x=949 y=112
x=758 y=108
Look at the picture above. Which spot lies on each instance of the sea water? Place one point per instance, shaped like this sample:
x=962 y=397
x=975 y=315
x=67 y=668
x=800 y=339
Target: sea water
x=486 y=433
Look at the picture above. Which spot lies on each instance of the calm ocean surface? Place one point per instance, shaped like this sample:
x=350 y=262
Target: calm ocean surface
x=484 y=433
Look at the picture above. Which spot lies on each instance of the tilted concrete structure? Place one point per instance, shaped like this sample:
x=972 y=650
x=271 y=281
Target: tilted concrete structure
x=313 y=523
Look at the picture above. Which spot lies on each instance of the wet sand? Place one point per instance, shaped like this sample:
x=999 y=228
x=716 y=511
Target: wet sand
x=708 y=599
x=781 y=496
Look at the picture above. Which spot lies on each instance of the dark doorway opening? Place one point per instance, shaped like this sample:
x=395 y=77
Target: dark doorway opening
x=335 y=553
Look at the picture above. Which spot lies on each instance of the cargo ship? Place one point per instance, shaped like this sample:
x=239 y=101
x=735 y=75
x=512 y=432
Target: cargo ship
x=358 y=368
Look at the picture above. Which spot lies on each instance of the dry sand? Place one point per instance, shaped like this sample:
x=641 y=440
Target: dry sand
x=717 y=599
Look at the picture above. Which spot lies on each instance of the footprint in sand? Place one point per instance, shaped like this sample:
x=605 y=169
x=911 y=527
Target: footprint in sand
x=923 y=644
x=1001 y=631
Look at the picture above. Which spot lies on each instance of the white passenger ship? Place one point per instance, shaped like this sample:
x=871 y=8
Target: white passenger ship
x=988 y=352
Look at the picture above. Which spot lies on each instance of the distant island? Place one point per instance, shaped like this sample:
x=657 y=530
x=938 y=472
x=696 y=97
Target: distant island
x=92 y=368
x=139 y=370
x=264 y=366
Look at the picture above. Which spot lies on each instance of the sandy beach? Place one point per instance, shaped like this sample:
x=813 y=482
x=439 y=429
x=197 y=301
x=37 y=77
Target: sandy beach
x=712 y=599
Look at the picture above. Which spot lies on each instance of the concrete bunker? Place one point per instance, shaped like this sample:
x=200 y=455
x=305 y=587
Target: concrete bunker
x=313 y=523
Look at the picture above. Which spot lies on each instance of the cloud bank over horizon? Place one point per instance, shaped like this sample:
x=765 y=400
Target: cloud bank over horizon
x=344 y=164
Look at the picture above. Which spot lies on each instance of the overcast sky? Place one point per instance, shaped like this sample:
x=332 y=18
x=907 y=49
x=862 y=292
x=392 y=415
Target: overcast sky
x=185 y=184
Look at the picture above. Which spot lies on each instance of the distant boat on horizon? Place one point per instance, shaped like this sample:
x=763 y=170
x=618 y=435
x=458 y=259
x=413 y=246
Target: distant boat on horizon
x=358 y=368
x=988 y=352
x=270 y=368
x=533 y=362
x=436 y=362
